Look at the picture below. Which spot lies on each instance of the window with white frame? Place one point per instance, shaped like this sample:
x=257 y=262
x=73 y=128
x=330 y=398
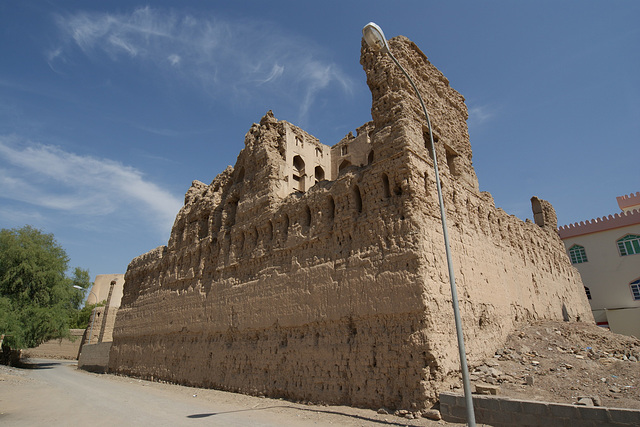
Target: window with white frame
x=629 y=245
x=577 y=254
x=588 y=292
x=635 y=290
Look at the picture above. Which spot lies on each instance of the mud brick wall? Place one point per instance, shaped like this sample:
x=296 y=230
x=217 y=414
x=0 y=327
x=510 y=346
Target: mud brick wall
x=340 y=293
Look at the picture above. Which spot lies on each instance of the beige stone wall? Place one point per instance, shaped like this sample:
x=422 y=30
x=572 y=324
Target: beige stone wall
x=341 y=294
x=101 y=287
x=95 y=357
x=66 y=348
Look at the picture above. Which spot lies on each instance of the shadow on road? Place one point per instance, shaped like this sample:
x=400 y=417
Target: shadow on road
x=330 y=412
x=27 y=364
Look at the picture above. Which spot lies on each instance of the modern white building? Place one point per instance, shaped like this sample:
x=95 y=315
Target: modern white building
x=606 y=252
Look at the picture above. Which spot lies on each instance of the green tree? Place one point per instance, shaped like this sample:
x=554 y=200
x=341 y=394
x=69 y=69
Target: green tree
x=37 y=299
x=81 y=318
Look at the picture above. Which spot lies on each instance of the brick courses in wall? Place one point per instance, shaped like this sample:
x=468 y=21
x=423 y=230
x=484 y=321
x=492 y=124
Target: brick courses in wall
x=309 y=277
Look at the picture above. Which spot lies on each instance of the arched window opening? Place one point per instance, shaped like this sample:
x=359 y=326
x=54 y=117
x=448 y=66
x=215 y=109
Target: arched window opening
x=357 y=199
x=298 y=164
x=345 y=164
x=629 y=245
x=385 y=185
x=635 y=289
x=577 y=254
x=319 y=174
x=298 y=174
x=370 y=157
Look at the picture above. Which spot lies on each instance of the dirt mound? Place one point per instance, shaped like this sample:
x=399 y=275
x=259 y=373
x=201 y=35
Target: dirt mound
x=563 y=362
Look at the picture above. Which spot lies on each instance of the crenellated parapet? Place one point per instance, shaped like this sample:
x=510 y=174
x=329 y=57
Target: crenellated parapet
x=628 y=201
x=618 y=220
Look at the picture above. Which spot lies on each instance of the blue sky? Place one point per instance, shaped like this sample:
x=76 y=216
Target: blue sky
x=110 y=109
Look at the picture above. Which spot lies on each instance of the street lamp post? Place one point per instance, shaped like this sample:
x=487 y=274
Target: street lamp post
x=93 y=314
x=375 y=39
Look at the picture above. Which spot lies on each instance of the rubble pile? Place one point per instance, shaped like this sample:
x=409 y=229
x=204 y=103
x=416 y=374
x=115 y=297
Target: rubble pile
x=561 y=362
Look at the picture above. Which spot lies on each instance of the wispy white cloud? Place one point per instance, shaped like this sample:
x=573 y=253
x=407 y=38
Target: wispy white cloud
x=222 y=56
x=276 y=72
x=480 y=114
x=174 y=59
x=49 y=177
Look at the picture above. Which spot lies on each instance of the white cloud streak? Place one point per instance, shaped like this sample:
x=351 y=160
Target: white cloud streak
x=222 y=56
x=49 y=177
x=480 y=114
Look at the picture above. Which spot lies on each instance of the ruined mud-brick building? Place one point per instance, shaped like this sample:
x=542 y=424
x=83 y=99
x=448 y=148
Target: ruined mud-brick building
x=318 y=273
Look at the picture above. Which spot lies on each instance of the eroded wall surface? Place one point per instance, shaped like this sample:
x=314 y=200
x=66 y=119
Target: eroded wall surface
x=340 y=293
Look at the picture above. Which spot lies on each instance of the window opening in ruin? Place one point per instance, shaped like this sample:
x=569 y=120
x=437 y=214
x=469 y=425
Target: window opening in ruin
x=629 y=245
x=285 y=228
x=588 y=292
x=385 y=185
x=298 y=141
x=298 y=164
x=269 y=230
x=240 y=243
x=298 y=174
x=318 y=152
x=217 y=220
x=370 y=157
x=453 y=161
x=232 y=206
x=427 y=141
x=357 y=199
x=577 y=254
x=240 y=175
x=426 y=184
x=332 y=208
x=306 y=220
x=344 y=150
x=343 y=165
x=319 y=174
x=635 y=289
x=203 y=228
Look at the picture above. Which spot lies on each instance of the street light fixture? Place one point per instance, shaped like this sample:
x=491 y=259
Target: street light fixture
x=376 y=40
x=93 y=314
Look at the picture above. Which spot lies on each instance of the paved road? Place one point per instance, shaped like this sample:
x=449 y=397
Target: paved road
x=55 y=393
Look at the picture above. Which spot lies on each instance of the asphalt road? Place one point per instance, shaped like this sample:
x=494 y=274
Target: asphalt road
x=55 y=393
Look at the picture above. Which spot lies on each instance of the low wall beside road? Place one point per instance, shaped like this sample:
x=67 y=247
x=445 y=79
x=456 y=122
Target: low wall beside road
x=95 y=357
x=502 y=412
x=66 y=348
